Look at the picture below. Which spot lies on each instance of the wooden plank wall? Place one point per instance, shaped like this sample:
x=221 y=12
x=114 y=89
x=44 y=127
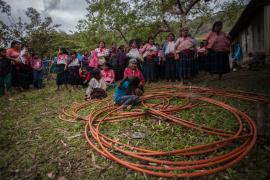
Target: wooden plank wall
x=256 y=37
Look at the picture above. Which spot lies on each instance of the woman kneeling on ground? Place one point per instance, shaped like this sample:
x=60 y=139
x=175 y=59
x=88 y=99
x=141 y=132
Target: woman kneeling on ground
x=128 y=92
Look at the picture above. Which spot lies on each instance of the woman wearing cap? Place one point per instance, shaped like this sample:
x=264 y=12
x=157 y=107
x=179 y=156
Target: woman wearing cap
x=184 y=55
x=218 y=46
x=133 y=71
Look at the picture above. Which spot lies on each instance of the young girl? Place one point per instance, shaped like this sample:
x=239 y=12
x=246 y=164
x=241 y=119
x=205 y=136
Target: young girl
x=37 y=65
x=202 y=52
x=133 y=71
x=127 y=93
x=97 y=87
x=73 y=69
x=108 y=75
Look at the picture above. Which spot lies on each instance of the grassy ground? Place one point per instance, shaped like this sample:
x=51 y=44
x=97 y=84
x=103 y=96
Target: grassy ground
x=35 y=144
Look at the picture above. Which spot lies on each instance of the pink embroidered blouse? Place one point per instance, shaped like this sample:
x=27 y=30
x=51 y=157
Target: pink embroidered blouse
x=218 y=41
x=134 y=73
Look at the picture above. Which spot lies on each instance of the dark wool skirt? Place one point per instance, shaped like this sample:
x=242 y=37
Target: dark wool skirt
x=22 y=75
x=170 y=65
x=202 y=60
x=218 y=62
x=73 y=75
x=62 y=74
x=149 y=66
x=186 y=67
x=160 y=71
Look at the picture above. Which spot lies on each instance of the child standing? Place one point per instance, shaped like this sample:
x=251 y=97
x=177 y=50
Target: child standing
x=108 y=75
x=202 y=56
x=37 y=65
x=128 y=92
x=97 y=87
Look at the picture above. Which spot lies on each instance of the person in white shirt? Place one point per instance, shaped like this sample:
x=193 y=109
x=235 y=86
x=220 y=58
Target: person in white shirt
x=102 y=53
x=97 y=86
x=168 y=52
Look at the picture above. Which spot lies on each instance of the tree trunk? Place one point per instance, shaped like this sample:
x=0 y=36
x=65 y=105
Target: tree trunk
x=122 y=35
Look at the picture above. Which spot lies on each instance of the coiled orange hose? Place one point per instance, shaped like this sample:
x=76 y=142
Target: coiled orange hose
x=158 y=163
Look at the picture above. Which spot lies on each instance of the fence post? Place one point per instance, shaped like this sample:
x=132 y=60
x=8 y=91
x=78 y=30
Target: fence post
x=261 y=108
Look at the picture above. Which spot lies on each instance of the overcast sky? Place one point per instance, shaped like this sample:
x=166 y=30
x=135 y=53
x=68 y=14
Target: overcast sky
x=64 y=12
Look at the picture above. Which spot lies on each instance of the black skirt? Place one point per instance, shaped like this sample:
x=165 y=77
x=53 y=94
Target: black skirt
x=149 y=67
x=170 y=65
x=73 y=75
x=22 y=75
x=62 y=74
x=217 y=62
x=202 y=60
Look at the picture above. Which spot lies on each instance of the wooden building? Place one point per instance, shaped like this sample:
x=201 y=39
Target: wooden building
x=252 y=30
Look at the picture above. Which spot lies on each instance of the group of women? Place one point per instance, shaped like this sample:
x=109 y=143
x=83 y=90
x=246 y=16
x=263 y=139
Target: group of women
x=19 y=68
x=176 y=59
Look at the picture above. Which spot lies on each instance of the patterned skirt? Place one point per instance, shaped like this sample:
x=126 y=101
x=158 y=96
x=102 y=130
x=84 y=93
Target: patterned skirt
x=62 y=75
x=187 y=66
x=218 y=62
x=148 y=68
x=73 y=75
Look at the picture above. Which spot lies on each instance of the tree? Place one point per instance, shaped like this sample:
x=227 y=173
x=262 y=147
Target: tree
x=37 y=33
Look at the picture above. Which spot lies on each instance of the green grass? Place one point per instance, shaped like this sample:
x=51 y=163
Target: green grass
x=34 y=142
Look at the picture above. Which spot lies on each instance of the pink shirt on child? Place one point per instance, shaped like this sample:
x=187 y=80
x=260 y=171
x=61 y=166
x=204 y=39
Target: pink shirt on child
x=218 y=41
x=134 y=73
x=108 y=75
